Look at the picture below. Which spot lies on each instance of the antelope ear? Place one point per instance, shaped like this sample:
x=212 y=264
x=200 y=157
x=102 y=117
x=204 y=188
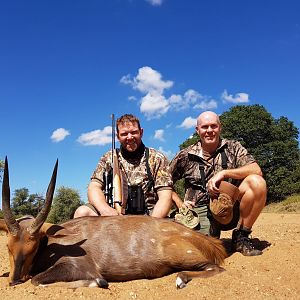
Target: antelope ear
x=3 y=226
x=56 y=231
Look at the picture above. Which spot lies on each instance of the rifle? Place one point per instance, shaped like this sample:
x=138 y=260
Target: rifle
x=117 y=195
x=108 y=188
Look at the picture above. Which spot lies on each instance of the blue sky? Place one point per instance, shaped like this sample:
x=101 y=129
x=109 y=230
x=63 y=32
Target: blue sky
x=66 y=66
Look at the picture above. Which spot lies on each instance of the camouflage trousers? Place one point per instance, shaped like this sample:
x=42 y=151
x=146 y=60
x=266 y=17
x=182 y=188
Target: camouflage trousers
x=204 y=222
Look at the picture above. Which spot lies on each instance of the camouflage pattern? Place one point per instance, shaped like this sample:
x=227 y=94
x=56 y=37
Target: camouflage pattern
x=136 y=173
x=186 y=165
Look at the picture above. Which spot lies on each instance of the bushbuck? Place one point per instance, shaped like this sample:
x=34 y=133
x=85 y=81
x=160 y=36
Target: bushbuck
x=92 y=251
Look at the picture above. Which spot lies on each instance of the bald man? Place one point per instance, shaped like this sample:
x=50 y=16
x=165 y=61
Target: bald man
x=208 y=162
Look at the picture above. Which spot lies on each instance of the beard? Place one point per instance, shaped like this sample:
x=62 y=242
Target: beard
x=135 y=154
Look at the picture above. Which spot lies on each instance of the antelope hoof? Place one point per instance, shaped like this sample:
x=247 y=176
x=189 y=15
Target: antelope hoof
x=102 y=283
x=180 y=284
x=15 y=283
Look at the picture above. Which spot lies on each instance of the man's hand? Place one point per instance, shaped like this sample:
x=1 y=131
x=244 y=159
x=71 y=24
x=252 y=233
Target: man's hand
x=179 y=203
x=214 y=183
x=97 y=199
x=187 y=204
x=108 y=211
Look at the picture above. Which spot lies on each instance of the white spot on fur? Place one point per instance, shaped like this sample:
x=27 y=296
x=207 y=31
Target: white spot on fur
x=153 y=241
x=166 y=230
x=93 y=284
x=189 y=251
x=173 y=244
x=179 y=283
x=186 y=233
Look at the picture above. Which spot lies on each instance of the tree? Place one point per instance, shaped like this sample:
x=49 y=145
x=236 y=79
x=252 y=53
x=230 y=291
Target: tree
x=25 y=204
x=273 y=142
x=250 y=125
x=65 y=202
x=189 y=141
x=179 y=188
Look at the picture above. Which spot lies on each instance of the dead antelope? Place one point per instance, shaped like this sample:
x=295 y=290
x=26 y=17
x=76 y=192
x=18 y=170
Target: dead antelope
x=92 y=251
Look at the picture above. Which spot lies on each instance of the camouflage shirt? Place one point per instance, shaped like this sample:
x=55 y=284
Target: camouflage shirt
x=135 y=171
x=186 y=165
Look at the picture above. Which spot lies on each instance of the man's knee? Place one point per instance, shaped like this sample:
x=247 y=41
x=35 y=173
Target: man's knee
x=255 y=183
x=258 y=185
x=83 y=211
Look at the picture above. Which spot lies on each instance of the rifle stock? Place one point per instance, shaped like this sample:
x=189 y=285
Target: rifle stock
x=119 y=183
x=118 y=195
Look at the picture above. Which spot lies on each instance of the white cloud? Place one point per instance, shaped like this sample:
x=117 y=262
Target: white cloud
x=149 y=82
x=192 y=96
x=132 y=98
x=96 y=137
x=155 y=2
x=206 y=104
x=154 y=106
x=169 y=154
x=59 y=134
x=189 y=98
x=175 y=100
x=238 y=98
x=126 y=79
x=159 y=135
x=188 y=123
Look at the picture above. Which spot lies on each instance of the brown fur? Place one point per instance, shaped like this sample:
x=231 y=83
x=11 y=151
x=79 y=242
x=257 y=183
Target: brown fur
x=91 y=251
x=115 y=249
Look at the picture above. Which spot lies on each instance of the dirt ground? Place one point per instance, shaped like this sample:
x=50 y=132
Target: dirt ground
x=273 y=275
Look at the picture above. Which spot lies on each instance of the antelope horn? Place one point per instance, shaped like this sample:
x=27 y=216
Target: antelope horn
x=11 y=223
x=42 y=216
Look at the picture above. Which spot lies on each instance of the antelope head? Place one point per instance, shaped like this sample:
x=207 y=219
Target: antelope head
x=23 y=234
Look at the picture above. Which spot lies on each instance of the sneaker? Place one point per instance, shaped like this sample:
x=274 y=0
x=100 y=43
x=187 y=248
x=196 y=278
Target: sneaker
x=242 y=243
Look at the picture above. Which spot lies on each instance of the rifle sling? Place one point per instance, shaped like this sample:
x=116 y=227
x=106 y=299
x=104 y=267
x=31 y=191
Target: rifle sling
x=201 y=167
x=150 y=177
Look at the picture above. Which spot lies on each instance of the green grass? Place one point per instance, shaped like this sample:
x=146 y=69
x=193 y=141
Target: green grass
x=291 y=199
x=289 y=205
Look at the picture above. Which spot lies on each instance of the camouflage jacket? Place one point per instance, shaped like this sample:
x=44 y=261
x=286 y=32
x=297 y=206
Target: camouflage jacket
x=136 y=173
x=186 y=165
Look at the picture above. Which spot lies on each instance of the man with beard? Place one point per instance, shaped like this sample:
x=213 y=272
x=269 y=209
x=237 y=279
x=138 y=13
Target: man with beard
x=145 y=169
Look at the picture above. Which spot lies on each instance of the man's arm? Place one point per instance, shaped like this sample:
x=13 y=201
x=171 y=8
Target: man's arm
x=177 y=199
x=179 y=203
x=163 y=205
x=239 y=173
x=97 y=199
x=242 y=172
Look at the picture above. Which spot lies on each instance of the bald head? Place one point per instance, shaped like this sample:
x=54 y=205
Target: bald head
x=209 y=129
x=208 y=117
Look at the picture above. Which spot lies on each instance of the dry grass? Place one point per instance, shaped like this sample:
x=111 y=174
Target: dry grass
x=289 y=205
